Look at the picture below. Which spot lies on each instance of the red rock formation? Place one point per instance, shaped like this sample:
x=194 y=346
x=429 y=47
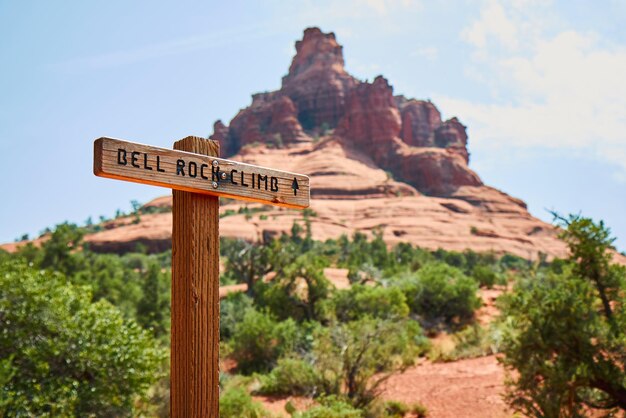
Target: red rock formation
x=434 y=171
x=420 y=119
x=317 y=81
x=452 y=134
x=402 y=136
x=220 y=132
x=371 y=116
x=270 y=119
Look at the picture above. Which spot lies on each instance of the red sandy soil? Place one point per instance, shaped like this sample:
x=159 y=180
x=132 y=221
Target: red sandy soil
x=277 y=405
x=488 y=311
x=465 y=388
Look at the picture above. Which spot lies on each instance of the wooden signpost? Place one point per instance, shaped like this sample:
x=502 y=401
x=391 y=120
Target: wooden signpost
x=198 y=178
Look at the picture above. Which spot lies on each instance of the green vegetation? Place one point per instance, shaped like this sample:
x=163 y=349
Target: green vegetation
x=64 y=355
x=91 y=330
x=237 y=403
x=442 y=295
x=259 y=340
x=566 y=330
x=330 y=407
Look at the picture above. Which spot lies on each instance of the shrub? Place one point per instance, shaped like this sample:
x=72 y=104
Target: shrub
x=232 y=310
x=66 y=356
x=245 y=262
x=331 y=407
x=473 y=341
x=484 y=276
x=110 y=279
x=360 y=301
x=153 y=307
x=237 y=403
x=259 y=340
x=291 y=376
x=510 y=261
x=297 y=290
x=440 y=294
x=419 y=410
x=396 y=409
x=354 y=359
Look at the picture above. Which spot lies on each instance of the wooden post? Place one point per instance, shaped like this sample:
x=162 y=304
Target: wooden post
x=198 y=181
x=195 y=297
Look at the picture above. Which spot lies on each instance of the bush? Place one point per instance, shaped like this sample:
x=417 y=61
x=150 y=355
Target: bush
x=297 y=290
x=419 y=410
x=232 y=310
x=510 y=261
x=354 y=359
x=440 y=294
x=259 y=340
x=331 y=407
x=484 y=276
x=63 y=355
x=291 y=376
x=237 y=403
x=379 y=302
x=396 y=409
x=473 y=341
x=110 y=279
x=153 y=307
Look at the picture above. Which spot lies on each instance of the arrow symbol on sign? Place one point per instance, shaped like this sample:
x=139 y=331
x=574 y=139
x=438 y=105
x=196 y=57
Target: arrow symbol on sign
x=294 y=186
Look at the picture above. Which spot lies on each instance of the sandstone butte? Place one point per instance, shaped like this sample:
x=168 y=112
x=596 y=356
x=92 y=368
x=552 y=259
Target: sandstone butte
x=377 y=162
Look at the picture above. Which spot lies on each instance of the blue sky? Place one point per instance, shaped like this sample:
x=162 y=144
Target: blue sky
x=539 y=84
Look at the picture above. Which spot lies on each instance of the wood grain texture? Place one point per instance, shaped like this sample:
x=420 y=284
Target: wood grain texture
x=122 y=160
x=195 y=297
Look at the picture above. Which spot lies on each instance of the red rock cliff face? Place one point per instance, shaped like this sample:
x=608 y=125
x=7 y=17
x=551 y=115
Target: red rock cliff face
x=403 y=136
x=420 y=119
x=371 y=118
x=317 y=81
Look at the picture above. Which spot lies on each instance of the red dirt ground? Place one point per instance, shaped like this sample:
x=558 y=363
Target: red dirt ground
x=461 y=389
x=465 y=388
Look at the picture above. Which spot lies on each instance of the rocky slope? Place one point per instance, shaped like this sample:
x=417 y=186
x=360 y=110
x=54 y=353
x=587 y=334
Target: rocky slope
x=376 y=161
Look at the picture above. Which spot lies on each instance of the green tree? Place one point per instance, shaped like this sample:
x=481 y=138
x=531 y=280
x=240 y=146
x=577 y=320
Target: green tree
x=246 y=262
x=484 y=275
x=59 y=252
x=441 y=294
x=110 y=279
x=259 y=340
x=232 y=310
x=360 y=301
x=354 y=359
x=298 y=290
x=565 y=333
x=154 y=304
x=62 y=355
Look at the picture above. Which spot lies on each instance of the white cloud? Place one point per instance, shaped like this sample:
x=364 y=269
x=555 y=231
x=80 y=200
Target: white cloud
x=565 y=90
x=493 y=23
x=428 y=52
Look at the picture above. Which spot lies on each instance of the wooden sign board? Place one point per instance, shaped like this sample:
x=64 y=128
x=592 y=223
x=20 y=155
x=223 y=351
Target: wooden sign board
x=180 y=170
